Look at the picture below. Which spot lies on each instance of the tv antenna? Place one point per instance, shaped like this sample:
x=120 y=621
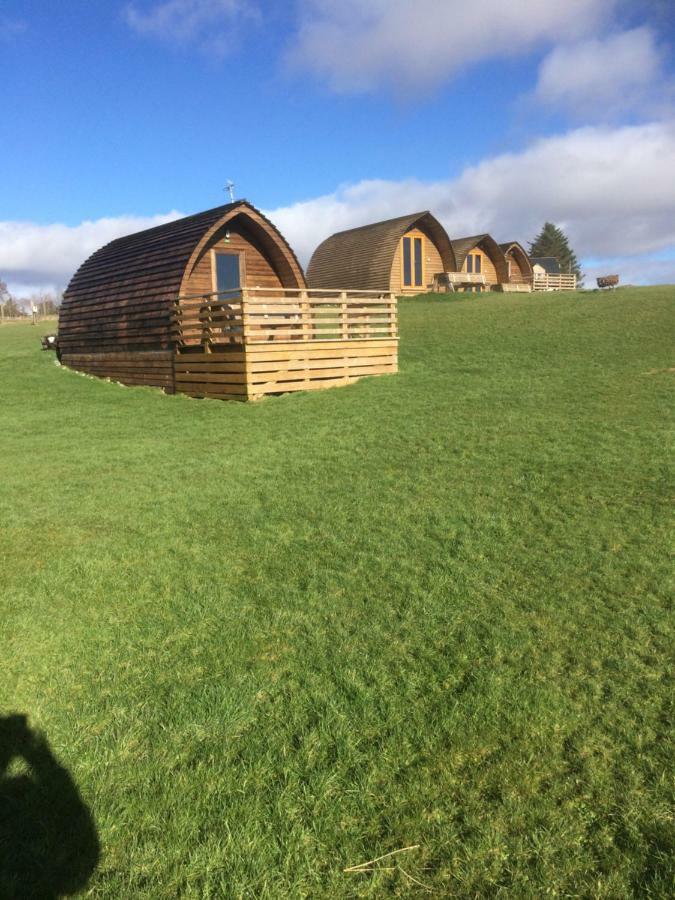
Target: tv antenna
x=229 y=187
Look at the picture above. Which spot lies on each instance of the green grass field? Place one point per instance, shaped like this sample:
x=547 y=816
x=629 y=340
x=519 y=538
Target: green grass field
x=272 y=641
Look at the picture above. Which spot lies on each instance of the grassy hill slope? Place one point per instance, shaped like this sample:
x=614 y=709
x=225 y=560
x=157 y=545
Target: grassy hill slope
x=272 y=641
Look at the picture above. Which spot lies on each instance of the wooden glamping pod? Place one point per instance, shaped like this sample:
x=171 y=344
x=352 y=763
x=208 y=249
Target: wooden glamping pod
x=481 y=264
x=401 y=256
x=216 y=305
x=519 y=267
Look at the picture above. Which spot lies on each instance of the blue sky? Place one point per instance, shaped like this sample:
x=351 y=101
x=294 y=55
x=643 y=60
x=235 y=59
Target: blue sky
x=130 y=124
x=331 y=114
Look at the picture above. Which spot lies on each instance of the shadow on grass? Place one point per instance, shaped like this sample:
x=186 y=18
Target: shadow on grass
x=48 y=842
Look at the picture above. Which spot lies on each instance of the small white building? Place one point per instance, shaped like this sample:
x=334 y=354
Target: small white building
x=546 y=275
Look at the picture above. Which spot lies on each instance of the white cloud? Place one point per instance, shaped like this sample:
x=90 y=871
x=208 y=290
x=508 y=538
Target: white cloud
x=359 y=45
x=611 y=189
x=34 y=257
x=604 y=76
x=208 y=22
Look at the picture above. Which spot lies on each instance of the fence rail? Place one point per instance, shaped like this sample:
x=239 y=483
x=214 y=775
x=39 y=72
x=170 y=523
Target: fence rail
x=244 y=344
x=260 y=315
x=465 y=277
x=546 y=282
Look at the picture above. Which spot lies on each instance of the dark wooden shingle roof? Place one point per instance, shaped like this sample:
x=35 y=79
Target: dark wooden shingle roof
x=362 y=258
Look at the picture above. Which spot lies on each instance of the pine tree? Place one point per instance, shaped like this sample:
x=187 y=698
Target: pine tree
x=552 y=241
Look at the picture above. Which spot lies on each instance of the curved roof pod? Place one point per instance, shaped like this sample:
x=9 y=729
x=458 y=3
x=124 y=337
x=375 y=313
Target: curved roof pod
x=122 y=297
x=464 y=246
x=362 y=258
x=520 y=255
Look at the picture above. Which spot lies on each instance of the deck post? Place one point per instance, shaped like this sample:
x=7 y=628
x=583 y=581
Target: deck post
x=304 y=316
x=176 y=323
x=206 y=324
x=244 y=317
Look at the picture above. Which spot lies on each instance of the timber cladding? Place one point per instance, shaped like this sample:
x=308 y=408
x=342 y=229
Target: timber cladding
x=256 y=370
x=257 y=268
x=121 y=298
x=117 y=314
x=494 y=264
x=368 y=258
x=154 y=369
x=515 y=270
x=216 y=305
x=519 y=260
x=432 y=263
x=261 y=341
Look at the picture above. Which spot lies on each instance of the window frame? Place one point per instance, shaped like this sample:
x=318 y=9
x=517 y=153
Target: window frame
x=413 y=285
x=215 y=252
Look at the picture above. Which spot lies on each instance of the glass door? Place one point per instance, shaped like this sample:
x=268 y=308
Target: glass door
x=228 y=272
x=413 y=261
x=225 y=308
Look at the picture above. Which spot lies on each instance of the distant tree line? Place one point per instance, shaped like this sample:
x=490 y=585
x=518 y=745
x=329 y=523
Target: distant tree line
x=43 y=303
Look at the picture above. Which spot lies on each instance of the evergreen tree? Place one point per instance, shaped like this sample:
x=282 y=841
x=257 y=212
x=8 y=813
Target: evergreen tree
x=552 y=241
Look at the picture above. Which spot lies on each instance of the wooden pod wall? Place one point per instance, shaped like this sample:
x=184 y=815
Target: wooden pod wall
x=116 y=316
x=370 y=257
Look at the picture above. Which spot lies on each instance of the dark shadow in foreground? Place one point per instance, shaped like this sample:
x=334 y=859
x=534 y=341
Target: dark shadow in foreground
x=48 y=842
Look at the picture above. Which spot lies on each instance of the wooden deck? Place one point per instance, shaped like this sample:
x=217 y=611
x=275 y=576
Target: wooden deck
x=242 y=345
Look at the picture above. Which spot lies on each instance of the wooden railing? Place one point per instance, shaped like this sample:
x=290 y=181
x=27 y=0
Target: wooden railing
x=446 y=281
x=557 y=282
x=466 y=277
x=258 y=315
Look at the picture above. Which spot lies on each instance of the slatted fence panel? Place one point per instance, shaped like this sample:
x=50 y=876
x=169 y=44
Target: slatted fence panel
x=546 y=282
x=217 y=375
x=313 y=365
